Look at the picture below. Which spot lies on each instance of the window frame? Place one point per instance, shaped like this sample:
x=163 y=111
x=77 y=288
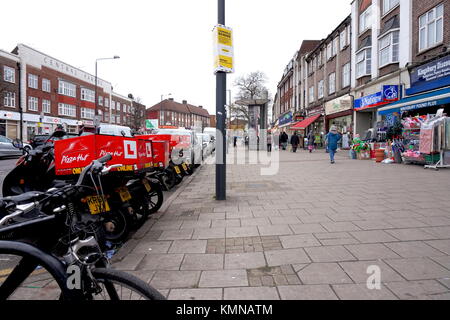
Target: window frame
x=67 y=107
x=365 y=60
x=8 y=73
x=427 y=26
x=9 y=99
x=46 y=103
x=346 y=70
x=391 y=6
x=33 y=101
x=391 y=46
x=367 y=25
x=320 y=89
x=87 y=113
x=311 y=94
x=329 y=83
x=67 y=89
x=46 y=84
x=33 y=81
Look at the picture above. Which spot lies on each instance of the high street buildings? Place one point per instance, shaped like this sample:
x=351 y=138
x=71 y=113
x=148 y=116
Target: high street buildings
x=49 y=92
x=386 y=57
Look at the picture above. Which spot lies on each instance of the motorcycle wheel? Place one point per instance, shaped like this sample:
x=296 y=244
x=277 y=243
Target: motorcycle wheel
x=115 y=226
x=170 y=178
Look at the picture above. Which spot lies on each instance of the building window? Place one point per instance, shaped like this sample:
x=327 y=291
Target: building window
x=9 y=99
x=46 y=85
x=118 y=119
x=364 y=62
x=431 y=28
x=118 y=106
x=46 y=106
x=9 y=74
x=113 y=105
x=332 y=83
x=343 y=39
x=365 y=20
x=329 y=50
x=311 y=94
x=124 y=109
x=106 y=115
x=106 y=102
x=389 y=48
x=100 y=101
x=32 y=81
x=67 y=110
x=67 y=89
x=33 y=103
x=87 y=113
x=346 y=76
x=320 y=90
x=87 y=95
x=389 y=4
x=335 y=46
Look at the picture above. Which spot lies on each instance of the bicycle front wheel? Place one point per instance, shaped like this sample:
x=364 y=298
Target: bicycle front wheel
x=118 y=285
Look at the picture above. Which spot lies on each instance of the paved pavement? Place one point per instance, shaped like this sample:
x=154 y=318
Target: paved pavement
x=312 y=231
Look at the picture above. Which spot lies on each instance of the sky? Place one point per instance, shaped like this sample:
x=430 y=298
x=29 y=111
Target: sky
x=166 y=46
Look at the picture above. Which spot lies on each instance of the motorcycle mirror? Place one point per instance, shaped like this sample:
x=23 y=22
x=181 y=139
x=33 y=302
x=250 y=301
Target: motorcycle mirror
x=17 y=144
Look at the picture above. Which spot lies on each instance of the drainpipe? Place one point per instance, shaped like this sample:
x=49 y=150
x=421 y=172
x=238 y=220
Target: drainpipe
x=19 y=98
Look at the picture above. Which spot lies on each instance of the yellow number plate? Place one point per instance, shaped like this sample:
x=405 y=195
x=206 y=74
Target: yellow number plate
x=97 y=205
x=124 y=194
x=185 y=166
x=177 y=170
x=147 y=185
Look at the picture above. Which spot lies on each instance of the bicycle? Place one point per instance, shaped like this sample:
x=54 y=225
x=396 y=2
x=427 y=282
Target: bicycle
x=44 y=229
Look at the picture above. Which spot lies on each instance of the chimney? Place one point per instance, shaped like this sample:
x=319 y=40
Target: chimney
x=201 y=107
x=184 y=102
x=170 y=99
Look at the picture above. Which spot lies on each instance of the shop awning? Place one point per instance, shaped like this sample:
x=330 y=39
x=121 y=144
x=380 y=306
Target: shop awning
x=305 y=123
x=420 y=101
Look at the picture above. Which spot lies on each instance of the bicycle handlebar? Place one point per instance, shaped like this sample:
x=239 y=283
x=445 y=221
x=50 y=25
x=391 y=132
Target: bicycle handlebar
x=105 y=158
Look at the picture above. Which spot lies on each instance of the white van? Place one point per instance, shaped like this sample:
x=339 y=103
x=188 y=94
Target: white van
x=114 y=130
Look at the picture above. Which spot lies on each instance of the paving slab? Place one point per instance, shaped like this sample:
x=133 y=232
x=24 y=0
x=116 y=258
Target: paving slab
x=374 y=251
x=223 y=279
x=175 y=279
x=361 y=292
x=251 y=293
x=299 y=241
x=195 y=294
x=329 y=254
x=323 y=273
x=358 y=271
x=416 y=290
x=193 y=262
x=418 y=268
x=286 y=256
x=161 y=262
x=245 y=261
x=307 y=292
x=188 y=246
x=414 y=249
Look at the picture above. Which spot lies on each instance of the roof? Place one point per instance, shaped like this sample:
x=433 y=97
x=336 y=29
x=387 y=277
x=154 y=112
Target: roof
x=171 y=105
x=308 y=46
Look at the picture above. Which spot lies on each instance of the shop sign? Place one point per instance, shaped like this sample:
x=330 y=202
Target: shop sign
x=389 y=94
x=337 y=105
x=315 y=111
x=151 y=124
x=285 y=119
x=223 y=49
x=426 y=104
x=9 y=115
x=430 y=76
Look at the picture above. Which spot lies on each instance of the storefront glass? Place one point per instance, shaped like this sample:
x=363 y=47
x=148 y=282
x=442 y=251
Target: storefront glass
x=2 y=128
x=343 y=124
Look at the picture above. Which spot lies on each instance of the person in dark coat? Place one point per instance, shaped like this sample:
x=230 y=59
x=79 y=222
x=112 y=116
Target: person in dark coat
x=295 y=141
x=284 y=140
x=311 y=141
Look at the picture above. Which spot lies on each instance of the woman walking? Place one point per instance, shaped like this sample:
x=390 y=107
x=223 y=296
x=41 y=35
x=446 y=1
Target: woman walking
x=295 y=141
x=332 y=139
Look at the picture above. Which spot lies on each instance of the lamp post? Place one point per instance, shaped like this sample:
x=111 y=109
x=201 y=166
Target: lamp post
x=164 y=116
x=96 y=120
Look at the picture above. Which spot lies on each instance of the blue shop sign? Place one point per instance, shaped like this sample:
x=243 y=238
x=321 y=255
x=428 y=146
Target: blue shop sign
x=430 y=76
x=286 y=119
x=389 y=94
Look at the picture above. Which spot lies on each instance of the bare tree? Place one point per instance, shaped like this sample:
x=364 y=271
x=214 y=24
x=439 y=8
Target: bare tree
x=252 y=86
x=136 y=120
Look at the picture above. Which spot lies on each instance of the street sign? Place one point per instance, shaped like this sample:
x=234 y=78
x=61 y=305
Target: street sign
x=151 y=124
x=223 y=49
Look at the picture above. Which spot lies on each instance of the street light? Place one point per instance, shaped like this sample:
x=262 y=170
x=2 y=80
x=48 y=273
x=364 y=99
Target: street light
x=97 y=121
x=164 y=116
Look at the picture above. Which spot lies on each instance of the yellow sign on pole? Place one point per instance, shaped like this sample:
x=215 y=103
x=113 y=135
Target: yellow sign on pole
x=223 y=49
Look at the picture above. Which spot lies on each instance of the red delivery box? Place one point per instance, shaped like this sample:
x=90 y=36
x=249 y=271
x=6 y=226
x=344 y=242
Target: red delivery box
x=145 y=155
x=161 y=155
x=72 y=155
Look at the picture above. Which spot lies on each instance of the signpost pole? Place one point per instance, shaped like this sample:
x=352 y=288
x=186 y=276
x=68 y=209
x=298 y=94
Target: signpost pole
x=221 y=87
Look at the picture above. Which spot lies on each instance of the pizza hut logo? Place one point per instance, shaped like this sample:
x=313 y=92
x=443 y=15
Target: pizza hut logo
x=114 y=154
x=69 y=160
x=130 y=148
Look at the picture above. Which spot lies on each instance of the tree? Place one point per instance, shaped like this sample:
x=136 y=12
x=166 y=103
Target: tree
x=251 y=86
x=136 y=120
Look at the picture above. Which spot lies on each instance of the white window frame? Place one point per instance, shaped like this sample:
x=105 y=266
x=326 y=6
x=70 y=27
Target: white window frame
x=67 y=89
x=124 y=108
x=320 y=89
x=330 y=50
x=346 y=75
x=311 y=94
x=9 y=99
x=33 y=104
x=46 y=85
x=118 y=106
x=46 y=106
x=332 y=83
x=335 y=46
x=365 y=20
x=389 y=5
x=365 y=60
x=87 y=95
x=429 y=24
x=67 y=110
x=33 y=81
x=100 y=101
x=87 y=113
x=343 y=39
x=390 y=47
x=9 y=74
x=106 y=102
x=113 y=105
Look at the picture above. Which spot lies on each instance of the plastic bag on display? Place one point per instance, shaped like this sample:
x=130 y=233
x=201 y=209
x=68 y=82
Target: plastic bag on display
x=388 y=161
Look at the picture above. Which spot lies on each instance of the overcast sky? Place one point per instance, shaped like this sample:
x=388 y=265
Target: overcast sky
x=166 y=45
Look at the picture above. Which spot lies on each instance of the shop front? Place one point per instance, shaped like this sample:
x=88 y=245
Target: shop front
x=339 y=113
x=10 y=124
x=285 y=121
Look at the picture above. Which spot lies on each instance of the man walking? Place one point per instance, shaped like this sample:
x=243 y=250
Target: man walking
x=295 y=141
x=284 y=140
x=332 y=139
x=269 y=141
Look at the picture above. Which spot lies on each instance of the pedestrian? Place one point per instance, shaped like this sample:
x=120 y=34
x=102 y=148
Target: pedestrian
x=284 y=140
x=311 y=141
x=269 y=141
x=235 y=142
x=295 y=141
x=332 y=139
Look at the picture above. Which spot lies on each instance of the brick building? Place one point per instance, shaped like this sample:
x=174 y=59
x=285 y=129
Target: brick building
x=54 y=93
x=172 y=113
x=9 y=95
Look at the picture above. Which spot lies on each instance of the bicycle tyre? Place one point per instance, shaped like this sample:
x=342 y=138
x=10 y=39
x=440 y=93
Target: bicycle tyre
x=107 y=277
